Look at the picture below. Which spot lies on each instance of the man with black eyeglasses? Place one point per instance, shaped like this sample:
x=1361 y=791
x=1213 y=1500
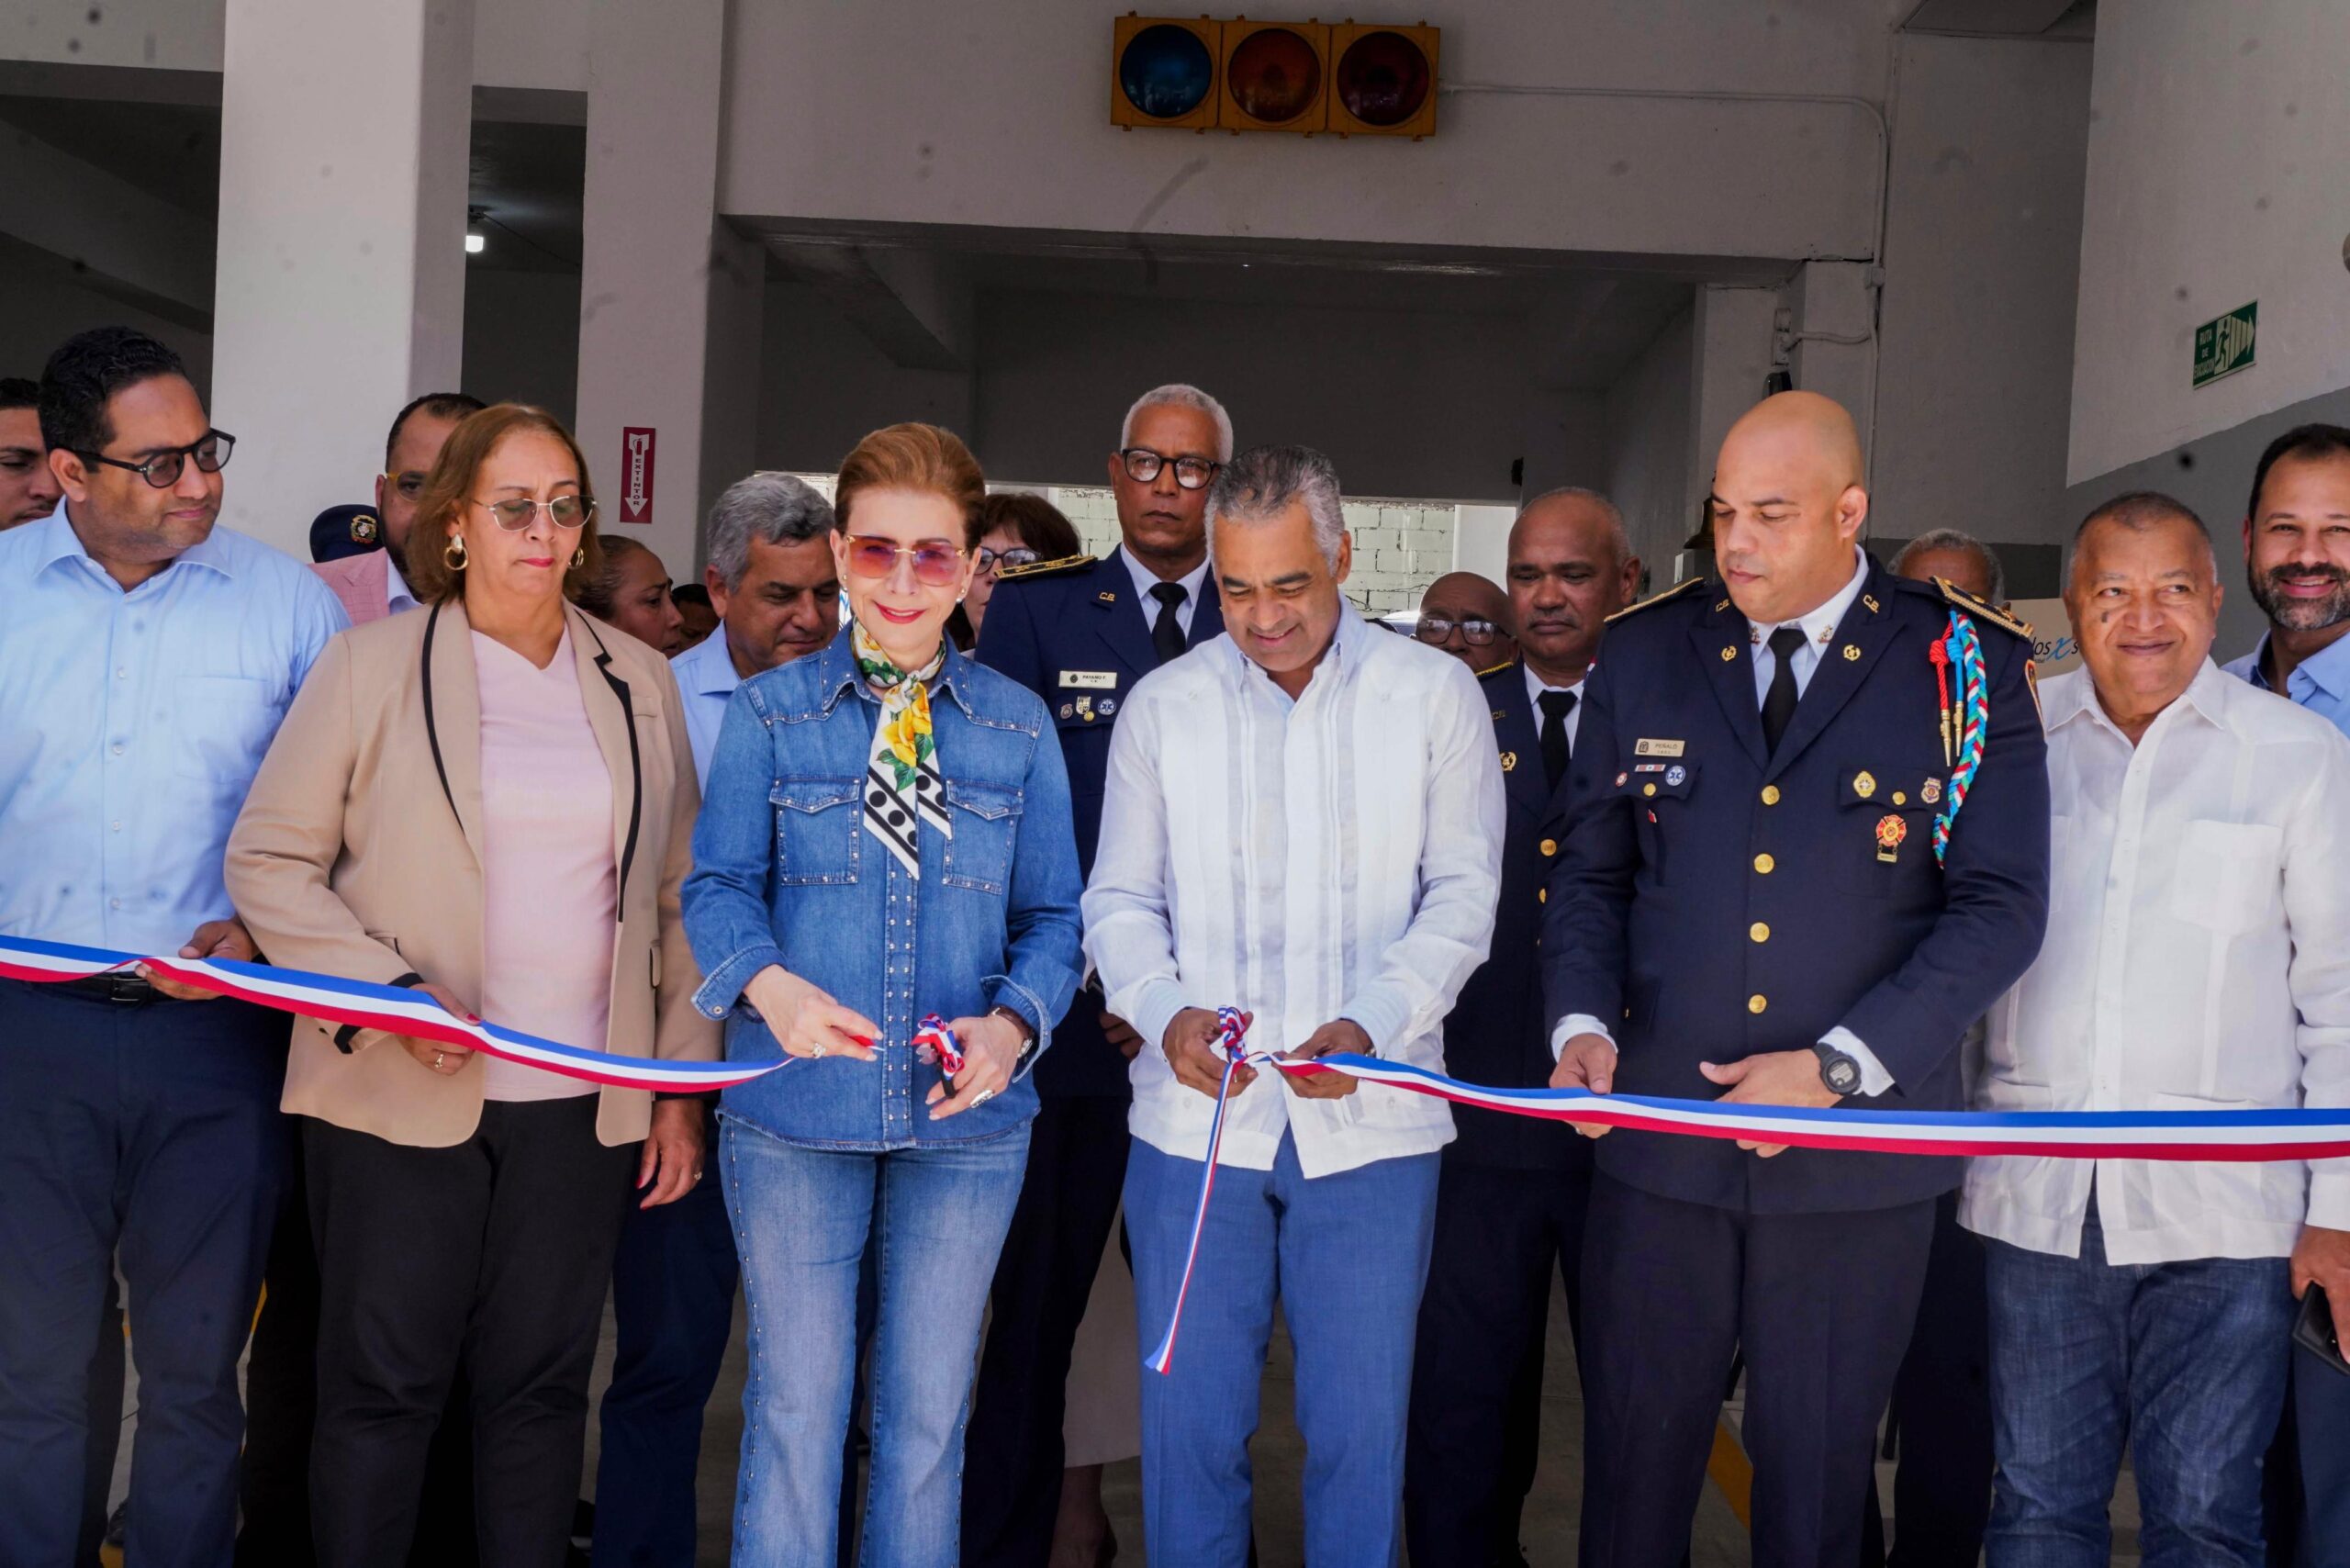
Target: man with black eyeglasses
x=145 y=661
x=366 y=575
x=1468 y=616
x=1080 y=633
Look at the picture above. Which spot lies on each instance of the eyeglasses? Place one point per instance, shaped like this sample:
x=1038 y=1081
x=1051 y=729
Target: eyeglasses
x=1143 y=466
x=1474 y=632
x=408 y=482
x=991 y=561
x=163 y=470
x=514 y=513
x=935 y=563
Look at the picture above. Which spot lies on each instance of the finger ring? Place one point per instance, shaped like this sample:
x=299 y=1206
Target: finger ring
x=437 y=1056
x=819 y=1049
x=983 y=1096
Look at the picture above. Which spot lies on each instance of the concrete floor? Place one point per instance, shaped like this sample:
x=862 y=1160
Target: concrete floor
x=1550 y=1536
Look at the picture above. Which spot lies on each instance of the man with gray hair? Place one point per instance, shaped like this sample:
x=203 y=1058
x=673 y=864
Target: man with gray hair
x=772 y=580
x=777 y=594
x=1302 y=819
x=1959 y=559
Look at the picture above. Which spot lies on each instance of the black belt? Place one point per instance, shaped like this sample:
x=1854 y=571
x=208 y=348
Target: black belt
x=130 y=990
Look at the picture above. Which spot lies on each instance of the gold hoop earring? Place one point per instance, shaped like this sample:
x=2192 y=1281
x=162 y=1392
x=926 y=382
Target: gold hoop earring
x=579 y=557
x=452 y=554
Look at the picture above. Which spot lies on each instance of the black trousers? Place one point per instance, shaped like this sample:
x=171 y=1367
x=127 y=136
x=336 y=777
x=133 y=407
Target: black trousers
x=495 y=1252
x=1012 y=1452
x=1476 y=1421
x=1942 y=1414
x=281 y=1406
x=146 y=1134
x=1820 y=1304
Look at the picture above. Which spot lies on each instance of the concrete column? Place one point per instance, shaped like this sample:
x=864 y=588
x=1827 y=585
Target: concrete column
x=1732 y=337
x=1832 y=338
x=670 y=297
x=339 y=290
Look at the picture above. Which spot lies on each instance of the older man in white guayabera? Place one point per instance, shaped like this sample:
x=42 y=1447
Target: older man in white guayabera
x=2198 y=957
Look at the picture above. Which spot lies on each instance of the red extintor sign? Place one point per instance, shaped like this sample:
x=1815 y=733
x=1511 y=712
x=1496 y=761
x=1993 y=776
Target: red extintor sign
x=636 y=474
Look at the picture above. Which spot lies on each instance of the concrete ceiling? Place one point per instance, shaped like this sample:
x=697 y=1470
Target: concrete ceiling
x=526 y=175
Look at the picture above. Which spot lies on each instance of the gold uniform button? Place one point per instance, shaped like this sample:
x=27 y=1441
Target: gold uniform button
x=1647 y=789
x=1549 y=847
x=1770 y=794
x=1757 y=1003
x=1542 y=895
x=1759 y=931
x=1763 y=863
x=1899 y=798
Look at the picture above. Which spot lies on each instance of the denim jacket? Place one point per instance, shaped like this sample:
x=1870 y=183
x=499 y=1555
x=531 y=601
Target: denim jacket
x=785 y=873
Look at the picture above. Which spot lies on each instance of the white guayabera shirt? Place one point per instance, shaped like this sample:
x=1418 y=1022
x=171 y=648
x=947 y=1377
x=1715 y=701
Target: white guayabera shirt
x=1338 y=857
x=2198 y=957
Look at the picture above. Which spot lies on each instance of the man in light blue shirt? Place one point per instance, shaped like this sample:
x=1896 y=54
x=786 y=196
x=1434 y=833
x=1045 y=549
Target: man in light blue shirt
x=2297 y=563
x=146 y=659
x=773 y=580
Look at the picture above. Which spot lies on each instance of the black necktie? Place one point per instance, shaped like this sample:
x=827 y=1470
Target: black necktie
x=1779 y=702
x=1556 y=706
x=1167 y=632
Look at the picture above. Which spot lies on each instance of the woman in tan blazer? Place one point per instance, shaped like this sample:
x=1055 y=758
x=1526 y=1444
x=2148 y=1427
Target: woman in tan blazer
x=491 y=800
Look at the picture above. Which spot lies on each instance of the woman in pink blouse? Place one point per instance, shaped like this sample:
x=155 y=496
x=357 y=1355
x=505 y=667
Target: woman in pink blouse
x=491 y=802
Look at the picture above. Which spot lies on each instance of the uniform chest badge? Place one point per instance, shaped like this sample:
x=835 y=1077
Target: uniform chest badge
x=1865 y=784
x=1509 y=761
x=1622 y=779
x=1930 y=791
x=1890 y=830
x=1677 y=776
x=1085 y=707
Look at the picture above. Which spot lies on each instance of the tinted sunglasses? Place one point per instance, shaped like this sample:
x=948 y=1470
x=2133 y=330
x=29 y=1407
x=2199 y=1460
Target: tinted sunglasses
x=935 y=562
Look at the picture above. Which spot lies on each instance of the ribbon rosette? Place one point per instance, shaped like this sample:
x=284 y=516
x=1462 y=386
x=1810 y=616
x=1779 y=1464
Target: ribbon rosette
x=935 y=1042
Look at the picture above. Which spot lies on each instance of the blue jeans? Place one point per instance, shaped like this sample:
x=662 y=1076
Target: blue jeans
x=938 y=1213
x=2184 y=1362
x=1347 y=1254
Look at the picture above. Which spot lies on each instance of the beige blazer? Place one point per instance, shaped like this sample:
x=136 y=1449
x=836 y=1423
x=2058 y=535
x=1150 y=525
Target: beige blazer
x=358 y=854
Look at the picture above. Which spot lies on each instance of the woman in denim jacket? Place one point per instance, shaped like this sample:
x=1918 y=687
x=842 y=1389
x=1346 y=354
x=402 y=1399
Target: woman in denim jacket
x=885 y=837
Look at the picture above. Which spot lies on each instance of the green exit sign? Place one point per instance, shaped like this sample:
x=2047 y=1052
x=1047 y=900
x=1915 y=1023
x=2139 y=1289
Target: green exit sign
x=2224 y=346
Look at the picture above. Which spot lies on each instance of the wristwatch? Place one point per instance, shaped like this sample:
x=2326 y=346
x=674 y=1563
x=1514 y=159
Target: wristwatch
x=1027 y=1033
x=1839 y=1070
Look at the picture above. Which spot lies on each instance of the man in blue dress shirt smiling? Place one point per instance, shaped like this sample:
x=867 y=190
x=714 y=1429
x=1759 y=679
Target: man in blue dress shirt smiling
x=145 y=661
x=2296 y=558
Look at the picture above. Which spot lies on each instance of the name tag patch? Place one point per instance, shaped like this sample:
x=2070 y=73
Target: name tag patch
x=1090 y=679
x=1646 y=747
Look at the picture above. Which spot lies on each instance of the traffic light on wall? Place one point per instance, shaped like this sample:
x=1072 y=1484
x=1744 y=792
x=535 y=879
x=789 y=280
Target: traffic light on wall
x=1383 y=79
x=1276 y=76
x=1192 y=74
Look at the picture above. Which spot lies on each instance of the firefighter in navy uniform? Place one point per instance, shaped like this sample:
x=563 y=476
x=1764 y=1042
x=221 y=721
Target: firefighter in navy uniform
x=1748 y=904
x=1510 y=1200
x=1079 y=633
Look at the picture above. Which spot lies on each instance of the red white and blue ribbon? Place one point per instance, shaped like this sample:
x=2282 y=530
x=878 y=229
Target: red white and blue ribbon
x=370 y=1006
x=2235 y=1136
x=934 y=1041
x=1231 y=1033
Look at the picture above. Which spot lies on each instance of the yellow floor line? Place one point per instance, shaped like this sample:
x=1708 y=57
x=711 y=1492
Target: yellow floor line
x=1731 y=1471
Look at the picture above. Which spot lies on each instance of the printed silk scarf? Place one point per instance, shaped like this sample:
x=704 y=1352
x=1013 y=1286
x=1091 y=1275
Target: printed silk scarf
x=902 y=789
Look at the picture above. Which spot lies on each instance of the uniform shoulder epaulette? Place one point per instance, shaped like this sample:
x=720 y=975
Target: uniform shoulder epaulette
x=1043 y=568
x=1981 y=610
x=1676 y=591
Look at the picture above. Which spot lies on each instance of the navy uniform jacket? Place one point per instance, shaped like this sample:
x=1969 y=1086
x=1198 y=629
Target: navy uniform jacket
x=1713 y=902
x=1496 y=1033
x=1076 y=635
